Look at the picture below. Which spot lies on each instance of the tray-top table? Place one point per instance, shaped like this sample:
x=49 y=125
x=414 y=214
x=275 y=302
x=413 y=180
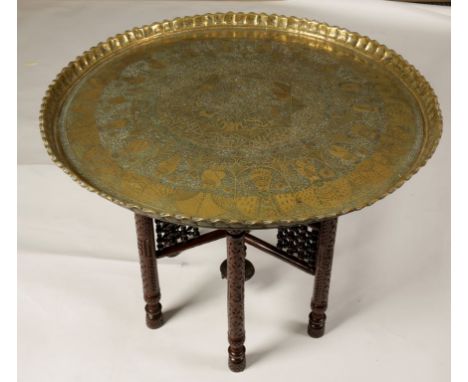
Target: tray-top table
x=238 y=122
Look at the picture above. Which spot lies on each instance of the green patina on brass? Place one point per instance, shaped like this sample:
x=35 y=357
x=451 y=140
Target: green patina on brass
x=241 y=125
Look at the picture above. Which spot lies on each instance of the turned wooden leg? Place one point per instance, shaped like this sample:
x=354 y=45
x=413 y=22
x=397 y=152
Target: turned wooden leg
x=149 y=270
x=235 y=281
x=326 y=243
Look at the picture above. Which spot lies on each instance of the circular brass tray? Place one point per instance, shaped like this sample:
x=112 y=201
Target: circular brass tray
x=240 y=120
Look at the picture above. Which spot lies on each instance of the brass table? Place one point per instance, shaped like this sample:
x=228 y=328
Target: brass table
x=239 y=122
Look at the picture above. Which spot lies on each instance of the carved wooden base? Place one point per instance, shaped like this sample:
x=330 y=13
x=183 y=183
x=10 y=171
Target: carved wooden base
x=149 y=271
x=235 y=281
x=307 y=247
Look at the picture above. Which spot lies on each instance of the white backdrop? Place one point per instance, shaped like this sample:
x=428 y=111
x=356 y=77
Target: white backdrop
x=80 y=305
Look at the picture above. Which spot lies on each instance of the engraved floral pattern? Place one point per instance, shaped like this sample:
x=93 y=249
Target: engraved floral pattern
x=411 y=127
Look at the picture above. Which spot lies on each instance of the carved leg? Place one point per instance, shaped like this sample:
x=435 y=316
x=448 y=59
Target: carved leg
x=326 y=242
x=149 y=270
x=235 y=281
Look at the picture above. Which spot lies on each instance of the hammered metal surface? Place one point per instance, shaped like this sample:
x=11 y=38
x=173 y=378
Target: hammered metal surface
x=241 y=125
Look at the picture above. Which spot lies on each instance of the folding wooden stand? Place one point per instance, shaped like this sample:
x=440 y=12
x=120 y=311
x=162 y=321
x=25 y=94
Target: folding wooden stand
x=307 y=247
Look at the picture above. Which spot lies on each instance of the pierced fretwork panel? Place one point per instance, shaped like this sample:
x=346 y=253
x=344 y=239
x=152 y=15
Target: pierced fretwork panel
x=168 y=234
x=300 y=243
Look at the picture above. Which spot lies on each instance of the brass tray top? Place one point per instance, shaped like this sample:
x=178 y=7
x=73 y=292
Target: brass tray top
x=237 y=120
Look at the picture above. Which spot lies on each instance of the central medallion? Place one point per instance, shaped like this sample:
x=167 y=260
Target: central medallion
x=246 y=114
